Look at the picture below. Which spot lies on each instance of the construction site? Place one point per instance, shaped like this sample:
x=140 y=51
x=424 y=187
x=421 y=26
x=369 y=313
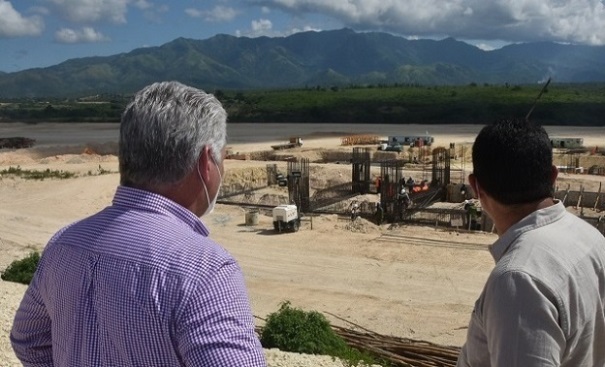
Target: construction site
x=413 y=184
x=416 y=275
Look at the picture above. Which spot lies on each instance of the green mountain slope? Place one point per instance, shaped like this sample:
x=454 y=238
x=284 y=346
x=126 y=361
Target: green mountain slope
x=328 y=58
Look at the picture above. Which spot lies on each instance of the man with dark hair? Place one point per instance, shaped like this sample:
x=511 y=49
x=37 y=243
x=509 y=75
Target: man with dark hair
x=543 y=304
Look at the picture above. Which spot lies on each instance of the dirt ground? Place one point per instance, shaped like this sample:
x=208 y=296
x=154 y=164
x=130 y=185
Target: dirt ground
x=409 y=281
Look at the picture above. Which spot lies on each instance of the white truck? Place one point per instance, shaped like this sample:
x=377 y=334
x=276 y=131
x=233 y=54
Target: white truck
x=285 y=218
x=295 y=141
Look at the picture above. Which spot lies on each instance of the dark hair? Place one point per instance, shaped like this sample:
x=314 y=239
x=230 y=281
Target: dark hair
x=512 y=161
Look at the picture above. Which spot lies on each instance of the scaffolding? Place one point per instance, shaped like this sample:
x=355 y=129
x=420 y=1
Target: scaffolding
x=458 y=166
x=361 y=170
x=441 y=167
x=298 y=184
x=392 y=181
x=271 y=174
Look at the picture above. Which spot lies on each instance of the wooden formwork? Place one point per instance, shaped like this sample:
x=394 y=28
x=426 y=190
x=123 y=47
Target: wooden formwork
x=364 y=139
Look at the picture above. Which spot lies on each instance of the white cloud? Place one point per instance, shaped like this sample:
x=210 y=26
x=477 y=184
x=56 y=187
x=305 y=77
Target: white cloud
x=194 y=13
x=13 y=24
x=143 y=4
x=85 y=11
x=218 y=14
x=151 y=12
x=575 y=21
x=261 y=27
x=264 y=27
x=485 y=46
x=83 y=35
x=306 y=28
x=39 y=10
x=265 y=10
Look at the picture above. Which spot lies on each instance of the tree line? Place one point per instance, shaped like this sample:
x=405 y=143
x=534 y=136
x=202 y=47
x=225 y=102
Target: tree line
x=563 y=104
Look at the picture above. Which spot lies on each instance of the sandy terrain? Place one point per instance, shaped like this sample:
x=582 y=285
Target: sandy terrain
x=380 y=278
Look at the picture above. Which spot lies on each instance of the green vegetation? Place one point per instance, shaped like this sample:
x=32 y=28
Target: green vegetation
x=99 y=109
x=22 y=271
x=294 y=330
x=563 y=104
x=27 y=174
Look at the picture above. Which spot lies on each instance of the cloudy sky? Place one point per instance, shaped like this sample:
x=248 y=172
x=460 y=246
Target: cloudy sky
x=40 y=33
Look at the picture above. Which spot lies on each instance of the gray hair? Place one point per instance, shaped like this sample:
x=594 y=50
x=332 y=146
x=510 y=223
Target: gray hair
x=163 y=131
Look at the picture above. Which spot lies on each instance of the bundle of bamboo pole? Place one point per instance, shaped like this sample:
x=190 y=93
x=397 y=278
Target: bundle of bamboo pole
x=400 y=351
x=397 y=351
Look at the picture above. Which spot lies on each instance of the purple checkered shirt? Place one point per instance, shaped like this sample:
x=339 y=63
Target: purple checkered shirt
x=137 y=284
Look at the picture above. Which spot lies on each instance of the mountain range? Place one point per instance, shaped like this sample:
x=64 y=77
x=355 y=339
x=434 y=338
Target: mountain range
x=308 y=59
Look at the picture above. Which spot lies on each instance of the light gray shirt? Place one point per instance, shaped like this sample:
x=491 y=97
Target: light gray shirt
x=543 y=304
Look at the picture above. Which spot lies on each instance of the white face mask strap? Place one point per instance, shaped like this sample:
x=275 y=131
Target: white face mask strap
x=204 y=182
x=220 y=175
x=210 y=207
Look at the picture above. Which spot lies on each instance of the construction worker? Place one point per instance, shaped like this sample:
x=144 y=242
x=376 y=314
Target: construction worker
x=378 y=182
x=354 y=210
x=472 y=213
x=379 y=213
x=463 y=191
x=404 y=197
x=404 y=201
x=410 y=184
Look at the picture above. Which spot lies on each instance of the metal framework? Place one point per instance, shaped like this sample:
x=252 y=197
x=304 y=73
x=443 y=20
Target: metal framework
x=393 y=180
x=298 y=184
x=271 y=174
x=572 y=160
x=441 y=167
x=361 y=170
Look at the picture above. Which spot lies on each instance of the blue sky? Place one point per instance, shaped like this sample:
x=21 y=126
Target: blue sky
x=41 y=33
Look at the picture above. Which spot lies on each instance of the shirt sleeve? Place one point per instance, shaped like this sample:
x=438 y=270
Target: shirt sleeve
x=216 y=327
x=521 y=322
x=31 y=332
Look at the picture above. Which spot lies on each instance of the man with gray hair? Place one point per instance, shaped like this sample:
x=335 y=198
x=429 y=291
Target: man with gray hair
x=140 y=283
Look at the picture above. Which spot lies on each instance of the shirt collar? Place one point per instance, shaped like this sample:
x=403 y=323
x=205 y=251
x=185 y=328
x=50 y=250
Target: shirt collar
x=534 y=220
x=148 y=201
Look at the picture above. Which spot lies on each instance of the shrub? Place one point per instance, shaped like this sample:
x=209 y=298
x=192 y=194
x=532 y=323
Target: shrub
x=35 y=174
x=294 y=330
x=100 y=171
x=22 y=271
x=103 y=171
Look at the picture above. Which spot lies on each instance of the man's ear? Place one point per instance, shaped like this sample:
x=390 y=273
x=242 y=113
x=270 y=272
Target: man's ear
x=554 y=173
x=472 y=180
x=203 y=163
